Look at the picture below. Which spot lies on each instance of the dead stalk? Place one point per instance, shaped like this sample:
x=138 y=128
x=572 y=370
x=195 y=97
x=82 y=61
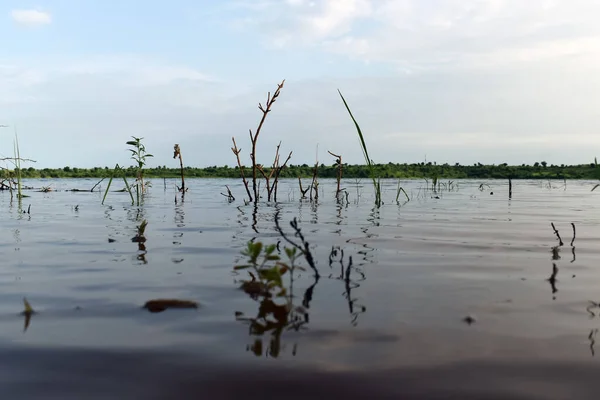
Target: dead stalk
x=254 y=137
x=314 y=184
x=338 y=161
x=237 y=151
x=176 y=154
x=302 y=191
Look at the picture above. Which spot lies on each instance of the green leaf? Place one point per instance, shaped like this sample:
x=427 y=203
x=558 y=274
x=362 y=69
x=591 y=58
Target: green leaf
x=272 y=258
x=270 y=248
x=131 y=143
x=256 y=249
x=237 y=267
x=290 y=252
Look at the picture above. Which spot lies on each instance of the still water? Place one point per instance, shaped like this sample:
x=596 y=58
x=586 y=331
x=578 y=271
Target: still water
x=460 y=293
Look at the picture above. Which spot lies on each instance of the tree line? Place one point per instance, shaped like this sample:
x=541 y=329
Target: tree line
x=539 y=170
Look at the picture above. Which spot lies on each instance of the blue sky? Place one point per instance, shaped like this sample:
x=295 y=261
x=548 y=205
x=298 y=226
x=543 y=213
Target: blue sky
x=465 y=81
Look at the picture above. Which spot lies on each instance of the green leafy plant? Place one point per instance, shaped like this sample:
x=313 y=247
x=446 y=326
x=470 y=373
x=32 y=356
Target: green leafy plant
x=376 y=180
x=139 y=155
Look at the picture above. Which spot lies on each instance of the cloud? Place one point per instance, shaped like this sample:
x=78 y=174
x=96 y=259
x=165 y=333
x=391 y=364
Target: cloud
x=31 y=17
x=415 y=35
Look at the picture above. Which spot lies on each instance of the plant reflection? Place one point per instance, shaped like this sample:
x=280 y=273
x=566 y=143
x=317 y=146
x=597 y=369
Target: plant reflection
x=277 y=311
x=179 y=223
x=337 y=256
x=555 y=256
x=140 y=239
x=592 y=339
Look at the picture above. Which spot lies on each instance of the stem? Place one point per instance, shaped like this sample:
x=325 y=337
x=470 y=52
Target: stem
x=254 y=138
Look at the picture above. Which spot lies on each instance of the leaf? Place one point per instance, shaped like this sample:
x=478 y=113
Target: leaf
x=594 y=188
x=273 y=258
x=238 y=267
x=270 y=248
x=290 y=252
x=131 y=143
x=256 y=249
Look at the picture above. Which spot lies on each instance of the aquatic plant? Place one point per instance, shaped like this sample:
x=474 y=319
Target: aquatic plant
x=376 y=180
x=338 y=175
x=139 y=155
x=229 y=195
x=256 y=167
x=116 y=170
x=16 y=173
x=399 y=190
x=176 y=154
x=273 y=174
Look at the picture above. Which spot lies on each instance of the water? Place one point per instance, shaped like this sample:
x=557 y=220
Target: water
x=391 y=327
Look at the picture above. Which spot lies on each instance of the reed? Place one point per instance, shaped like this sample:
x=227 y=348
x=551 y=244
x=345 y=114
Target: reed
x=399 y=190
x=376 y=180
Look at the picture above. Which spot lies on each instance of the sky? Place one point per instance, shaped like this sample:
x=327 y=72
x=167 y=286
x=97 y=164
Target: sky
x=466 y=81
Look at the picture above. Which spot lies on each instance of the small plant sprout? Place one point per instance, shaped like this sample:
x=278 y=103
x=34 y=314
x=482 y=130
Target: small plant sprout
x=139 y=155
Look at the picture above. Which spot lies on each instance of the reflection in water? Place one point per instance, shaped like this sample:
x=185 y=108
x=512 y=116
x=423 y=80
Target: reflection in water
x=277 y=311
x=552 y=280
x=179 y=223
x=592 y=339
x=337 y=256
x=140 y=239
x=555 y=256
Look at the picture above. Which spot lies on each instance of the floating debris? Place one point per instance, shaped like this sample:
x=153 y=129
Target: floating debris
x=469 y=319
x=160 y=305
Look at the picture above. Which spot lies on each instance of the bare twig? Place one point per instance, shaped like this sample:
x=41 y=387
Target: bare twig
x=237 y=151
x=560 y=242
x=229 y=195
x=254 y=137
x=338 y=161
x=176 y=154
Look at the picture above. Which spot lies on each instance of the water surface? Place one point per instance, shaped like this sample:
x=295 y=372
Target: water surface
x=391 y=325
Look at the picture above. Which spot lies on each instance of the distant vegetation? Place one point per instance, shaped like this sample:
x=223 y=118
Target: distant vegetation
x=428 y=170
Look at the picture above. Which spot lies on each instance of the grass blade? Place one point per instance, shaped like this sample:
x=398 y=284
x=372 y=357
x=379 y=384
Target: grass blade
x=376 y=182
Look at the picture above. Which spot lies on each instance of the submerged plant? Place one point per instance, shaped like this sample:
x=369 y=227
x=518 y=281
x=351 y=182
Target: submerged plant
x=376 y=180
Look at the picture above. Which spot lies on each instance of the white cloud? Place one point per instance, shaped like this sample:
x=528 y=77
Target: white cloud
x=437 y=34
x=31 y=17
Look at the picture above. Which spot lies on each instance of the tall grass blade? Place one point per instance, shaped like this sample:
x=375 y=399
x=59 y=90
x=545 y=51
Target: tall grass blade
x=376 y=181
